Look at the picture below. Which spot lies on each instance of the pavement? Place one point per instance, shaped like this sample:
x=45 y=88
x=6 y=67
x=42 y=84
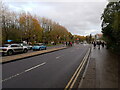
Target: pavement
x=48 y=47
x=103 y=70
x=51 y=70
x=26 y=55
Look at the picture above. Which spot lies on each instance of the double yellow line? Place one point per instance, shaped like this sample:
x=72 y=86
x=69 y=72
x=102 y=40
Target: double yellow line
x=77 y=72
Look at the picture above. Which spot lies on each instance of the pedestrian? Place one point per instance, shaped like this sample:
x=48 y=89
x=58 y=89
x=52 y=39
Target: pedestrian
x=103 y=44
x=66 y=43
x=98 y=43
x=94 y=44
x=71 y=44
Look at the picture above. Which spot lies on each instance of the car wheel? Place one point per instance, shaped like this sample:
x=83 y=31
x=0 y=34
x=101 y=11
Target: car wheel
x=10 y=52
x=45 y=48
x=25 y=51
x=39 y=48
x=31 y=48
x=3 y=54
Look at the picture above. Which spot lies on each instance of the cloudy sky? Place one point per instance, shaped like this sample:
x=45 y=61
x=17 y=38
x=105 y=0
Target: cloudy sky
x=78 y=16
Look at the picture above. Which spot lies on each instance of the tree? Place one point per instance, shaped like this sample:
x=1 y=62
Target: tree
x=0 y=24
x=54 y=31
x=78 y=38
x=26 y=27
x=30 y=28
x=9 y=24
x=111 y=25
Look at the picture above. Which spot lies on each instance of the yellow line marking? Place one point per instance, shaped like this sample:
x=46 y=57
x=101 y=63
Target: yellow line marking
x=77 y=71
x=74 y=75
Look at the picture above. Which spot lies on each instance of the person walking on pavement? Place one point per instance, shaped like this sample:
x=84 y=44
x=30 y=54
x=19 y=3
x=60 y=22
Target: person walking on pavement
x=98 y=43
x=94 y=44
x=103 y=44
x=66 y=43
x=71 y=44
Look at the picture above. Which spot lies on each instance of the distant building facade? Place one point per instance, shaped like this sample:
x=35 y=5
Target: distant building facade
x=97 y=36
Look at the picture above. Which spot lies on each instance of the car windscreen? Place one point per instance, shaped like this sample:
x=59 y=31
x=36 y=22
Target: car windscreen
x=25 y=44
x=15 y=45
x=38 y=44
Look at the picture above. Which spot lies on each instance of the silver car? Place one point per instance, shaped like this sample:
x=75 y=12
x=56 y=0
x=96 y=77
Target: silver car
x=10 y=49
x=27 y=45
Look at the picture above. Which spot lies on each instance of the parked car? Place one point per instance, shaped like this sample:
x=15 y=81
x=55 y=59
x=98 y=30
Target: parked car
x=81 y=42
x=39 y=46
x=10 y=49
x=27 y=45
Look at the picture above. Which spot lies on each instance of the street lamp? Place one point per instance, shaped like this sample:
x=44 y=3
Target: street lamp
x=44 y=30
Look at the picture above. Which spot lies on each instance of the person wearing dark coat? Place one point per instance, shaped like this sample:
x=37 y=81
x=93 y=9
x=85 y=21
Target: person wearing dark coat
x=103 y=44
x=94 y=44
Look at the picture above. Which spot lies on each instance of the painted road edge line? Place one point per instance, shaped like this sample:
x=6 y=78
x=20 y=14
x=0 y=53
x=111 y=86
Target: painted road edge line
x=73 y=75
x=77 y=72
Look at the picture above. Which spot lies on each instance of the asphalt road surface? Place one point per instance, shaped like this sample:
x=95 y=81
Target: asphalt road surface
x=51 y=70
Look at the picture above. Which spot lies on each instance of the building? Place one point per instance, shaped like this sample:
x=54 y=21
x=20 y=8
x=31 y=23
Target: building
x=98 y=36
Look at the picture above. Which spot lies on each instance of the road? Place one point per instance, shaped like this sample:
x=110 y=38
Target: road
x=51 y=70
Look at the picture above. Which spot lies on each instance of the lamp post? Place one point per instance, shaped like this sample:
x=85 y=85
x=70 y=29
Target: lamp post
x=44 y=30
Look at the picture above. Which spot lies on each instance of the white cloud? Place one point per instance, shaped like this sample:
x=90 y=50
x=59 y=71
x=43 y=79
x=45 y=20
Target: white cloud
x=57 y=0
x=80 y=18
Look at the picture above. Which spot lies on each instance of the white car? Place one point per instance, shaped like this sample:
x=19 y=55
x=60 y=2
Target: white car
x=10 y=49
x=27 y=45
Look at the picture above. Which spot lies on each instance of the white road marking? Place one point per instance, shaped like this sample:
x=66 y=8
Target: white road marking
x=35 y=67
x=58 y=57
x=27 y=70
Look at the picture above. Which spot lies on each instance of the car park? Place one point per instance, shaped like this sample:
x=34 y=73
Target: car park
x=39 y=46
x=10 y=49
